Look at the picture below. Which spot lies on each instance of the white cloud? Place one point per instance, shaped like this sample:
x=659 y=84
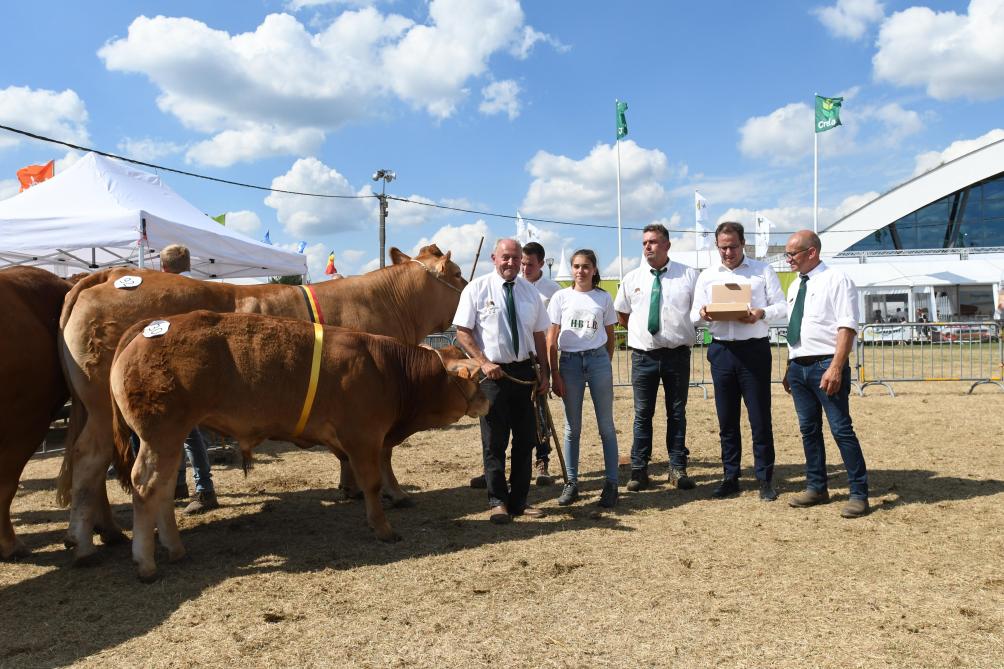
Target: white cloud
x=951 y=55
x=500 y=96
x=297 y=5
x=352 y=255
x=612 y=270
x=462 y=241
x=782 y=137
x=371 y=265
x=523 y=46
x=245 y=222
x=61 y=115
x=411 y=214
x=255 y=141
x=280 y=88
x=799 y=217
x=148 y=149
x=310 y=216
x=565 y=188
x=896 y=122
x=850 y=18
x=931 y=159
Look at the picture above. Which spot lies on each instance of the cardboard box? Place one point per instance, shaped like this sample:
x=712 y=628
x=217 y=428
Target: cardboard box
x=729 y=301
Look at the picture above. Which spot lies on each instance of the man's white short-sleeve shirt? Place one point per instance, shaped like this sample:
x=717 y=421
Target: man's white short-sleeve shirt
x=482 y=310
x=831 y=302
x=675 y=326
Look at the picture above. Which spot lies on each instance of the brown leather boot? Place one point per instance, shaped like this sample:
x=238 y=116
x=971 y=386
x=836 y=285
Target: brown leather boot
x=204 y=501
x=809 y=497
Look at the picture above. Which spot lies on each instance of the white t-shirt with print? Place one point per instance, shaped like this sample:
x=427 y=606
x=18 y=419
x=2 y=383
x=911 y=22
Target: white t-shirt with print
x=583 y=318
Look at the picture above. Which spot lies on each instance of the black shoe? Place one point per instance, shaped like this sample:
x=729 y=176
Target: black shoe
x=678 y=476
x=543 y=477
x=725 y=488
x=479 y=482
x=767 y=492
x=608 y=498
x=639 y=480
x=569 y=494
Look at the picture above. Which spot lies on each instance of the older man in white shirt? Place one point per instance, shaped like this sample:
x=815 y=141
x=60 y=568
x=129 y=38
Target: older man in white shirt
x=740 y=358
x=500 y=321
x=654 y=302
x=822 y=326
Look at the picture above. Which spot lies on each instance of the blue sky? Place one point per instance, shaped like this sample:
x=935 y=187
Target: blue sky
x=497 y=105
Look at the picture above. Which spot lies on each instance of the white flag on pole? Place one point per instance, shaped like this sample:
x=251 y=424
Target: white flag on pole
x=763 y=226
x=526 y=232
x=703 y=240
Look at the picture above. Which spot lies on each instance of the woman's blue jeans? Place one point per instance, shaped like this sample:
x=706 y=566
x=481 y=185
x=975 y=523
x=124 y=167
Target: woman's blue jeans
x=578 y=370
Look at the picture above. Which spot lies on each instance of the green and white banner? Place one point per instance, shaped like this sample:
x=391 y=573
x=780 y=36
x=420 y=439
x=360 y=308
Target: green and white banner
x=827 y=113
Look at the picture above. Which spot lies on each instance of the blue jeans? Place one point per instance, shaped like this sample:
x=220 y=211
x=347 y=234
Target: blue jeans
x=577 y=370
x=810 y=403
x=195 y=448
x=670 y=368
x=740 y=371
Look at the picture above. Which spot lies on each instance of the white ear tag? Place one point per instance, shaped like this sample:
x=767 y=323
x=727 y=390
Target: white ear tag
x=128 y=282
x=156 y=329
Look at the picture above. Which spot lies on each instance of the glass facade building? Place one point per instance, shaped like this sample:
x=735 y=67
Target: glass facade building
x=970 y=217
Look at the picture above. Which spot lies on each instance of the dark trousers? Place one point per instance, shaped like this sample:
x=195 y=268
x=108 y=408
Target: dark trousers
x=670 y=368
x=740 y=371
x=810 y=403
x=511 y=410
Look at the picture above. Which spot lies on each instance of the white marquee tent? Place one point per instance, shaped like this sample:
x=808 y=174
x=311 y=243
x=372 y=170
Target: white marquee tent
x=93 y=215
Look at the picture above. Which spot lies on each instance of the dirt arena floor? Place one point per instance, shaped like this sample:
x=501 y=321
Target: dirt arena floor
x=287 y=573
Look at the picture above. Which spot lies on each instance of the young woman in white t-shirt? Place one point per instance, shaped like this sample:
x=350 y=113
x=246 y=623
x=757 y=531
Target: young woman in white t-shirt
x=580 y=345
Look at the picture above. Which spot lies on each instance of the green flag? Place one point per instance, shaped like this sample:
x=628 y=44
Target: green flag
x=621 y=120
x=221 y=219
x=827 y=113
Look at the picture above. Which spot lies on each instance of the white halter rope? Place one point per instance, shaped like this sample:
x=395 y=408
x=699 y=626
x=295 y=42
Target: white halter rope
x=436 y=275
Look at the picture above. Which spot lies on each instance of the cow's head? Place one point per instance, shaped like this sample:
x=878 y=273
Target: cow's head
x=435 y=260
x=465 y=374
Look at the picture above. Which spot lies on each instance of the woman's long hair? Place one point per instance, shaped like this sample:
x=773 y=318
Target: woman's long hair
x=591 y=257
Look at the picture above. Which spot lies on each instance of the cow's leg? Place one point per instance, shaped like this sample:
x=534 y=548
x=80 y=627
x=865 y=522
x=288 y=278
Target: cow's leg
x=366 y=465
x=391 y=488
x=13 y=458
x=167 y=529
x=153 y=479
x=347 y=478
x=90 y=462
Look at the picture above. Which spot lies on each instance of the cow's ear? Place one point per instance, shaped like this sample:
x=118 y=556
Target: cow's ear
x=398 y=256
x=465 y=369
x=446 y=258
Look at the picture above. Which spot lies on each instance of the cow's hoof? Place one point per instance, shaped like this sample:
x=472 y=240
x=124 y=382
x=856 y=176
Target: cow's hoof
x=389 y=537
x=147 y=575
x=87 y=560
x=176 y=556
x=405 y=502
x=352 y=493
x=112 y=538
x=69 y=542
x=18 y=551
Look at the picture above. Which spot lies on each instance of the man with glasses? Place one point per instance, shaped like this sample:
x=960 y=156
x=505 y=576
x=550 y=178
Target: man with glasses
x=740 y=358
x=822 y=326
x=653 y=302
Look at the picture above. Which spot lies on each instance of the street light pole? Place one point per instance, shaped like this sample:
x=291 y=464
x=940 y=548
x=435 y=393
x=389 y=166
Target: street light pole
x=385 y=177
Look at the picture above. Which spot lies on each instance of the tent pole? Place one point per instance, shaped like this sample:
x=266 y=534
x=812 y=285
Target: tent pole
x=142 y=242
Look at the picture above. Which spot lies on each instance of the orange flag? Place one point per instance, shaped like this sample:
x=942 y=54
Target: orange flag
x=330 y=269
x=35 y=174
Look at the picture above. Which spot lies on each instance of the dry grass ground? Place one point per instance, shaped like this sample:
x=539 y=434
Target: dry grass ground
x=287 y=574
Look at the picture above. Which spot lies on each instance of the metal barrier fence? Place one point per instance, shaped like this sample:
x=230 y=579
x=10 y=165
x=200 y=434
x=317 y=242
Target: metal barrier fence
x=949 y=351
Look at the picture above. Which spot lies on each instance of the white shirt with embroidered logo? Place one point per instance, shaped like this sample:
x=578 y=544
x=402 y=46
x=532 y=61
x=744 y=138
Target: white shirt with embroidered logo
x=675 y=326
x=831 y=302
x=765 y=293
x=482 y=310
x=583 y=317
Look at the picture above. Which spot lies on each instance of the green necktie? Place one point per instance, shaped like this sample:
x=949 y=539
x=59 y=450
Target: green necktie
x=795 y=322
x=655 y=301
x=510 y=310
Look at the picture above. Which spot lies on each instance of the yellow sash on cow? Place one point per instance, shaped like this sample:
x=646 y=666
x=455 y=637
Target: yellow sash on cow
x=315 y=371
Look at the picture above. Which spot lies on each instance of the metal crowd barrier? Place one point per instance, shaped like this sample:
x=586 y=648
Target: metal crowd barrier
x=917 y=352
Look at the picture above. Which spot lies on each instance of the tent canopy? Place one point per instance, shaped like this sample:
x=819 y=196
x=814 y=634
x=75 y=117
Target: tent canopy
x=882 y=274
x=93 y=216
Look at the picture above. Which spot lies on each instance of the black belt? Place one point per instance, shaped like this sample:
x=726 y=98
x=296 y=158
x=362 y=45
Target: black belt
x=811 y=359
x=751 y=340
x=518 y=363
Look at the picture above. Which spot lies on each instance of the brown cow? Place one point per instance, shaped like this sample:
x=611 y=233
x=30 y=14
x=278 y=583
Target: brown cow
x=407 y=301
x=33 y=388
x=249 y=376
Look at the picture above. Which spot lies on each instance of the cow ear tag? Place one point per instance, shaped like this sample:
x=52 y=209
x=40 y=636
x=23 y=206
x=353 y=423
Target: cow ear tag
x=156 y=329
x=128 y=282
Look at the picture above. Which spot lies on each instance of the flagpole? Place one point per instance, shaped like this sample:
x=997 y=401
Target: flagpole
x=697 y=234
x=815 y=171
x=620 y=244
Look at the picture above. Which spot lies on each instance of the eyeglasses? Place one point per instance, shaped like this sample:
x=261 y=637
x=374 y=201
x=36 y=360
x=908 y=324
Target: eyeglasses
x=792 y=256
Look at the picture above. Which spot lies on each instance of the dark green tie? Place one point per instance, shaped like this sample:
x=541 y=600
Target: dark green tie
x=795 y=322
x=510 y=310
x=655 y=301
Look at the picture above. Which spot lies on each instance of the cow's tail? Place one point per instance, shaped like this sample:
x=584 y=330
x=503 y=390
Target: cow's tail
x=76 y=421
x=123 y=456
x=81 y=284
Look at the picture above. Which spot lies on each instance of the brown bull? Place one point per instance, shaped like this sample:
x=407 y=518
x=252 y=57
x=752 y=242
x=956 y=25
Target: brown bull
x=33 y=388
x=407 y=301
x=258 y=377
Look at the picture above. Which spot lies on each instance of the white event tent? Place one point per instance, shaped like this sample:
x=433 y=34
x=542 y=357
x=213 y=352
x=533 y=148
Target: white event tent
x=94 y=215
